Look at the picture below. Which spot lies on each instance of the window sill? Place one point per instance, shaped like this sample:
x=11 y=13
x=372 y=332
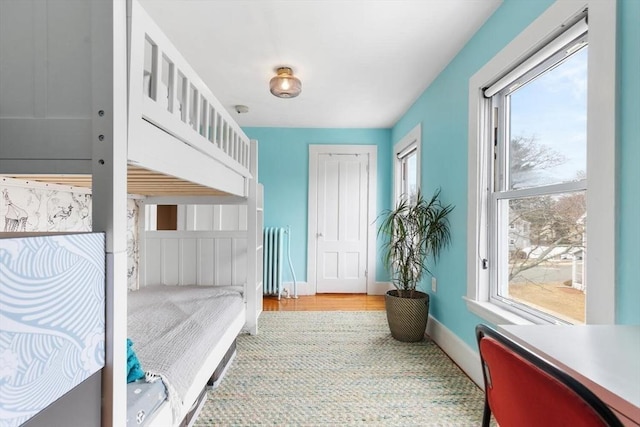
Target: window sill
x=494 y=314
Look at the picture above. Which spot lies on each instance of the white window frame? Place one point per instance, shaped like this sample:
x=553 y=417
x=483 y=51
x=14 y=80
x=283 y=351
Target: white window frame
x=601 y=152
x=413 y=139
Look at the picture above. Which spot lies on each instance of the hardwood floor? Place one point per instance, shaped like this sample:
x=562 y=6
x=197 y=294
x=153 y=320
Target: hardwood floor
x=325 y=302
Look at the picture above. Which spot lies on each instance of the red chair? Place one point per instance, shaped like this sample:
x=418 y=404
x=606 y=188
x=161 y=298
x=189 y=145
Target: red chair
x=522 y=389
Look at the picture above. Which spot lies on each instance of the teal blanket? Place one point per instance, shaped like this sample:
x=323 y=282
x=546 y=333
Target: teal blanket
x=134 y=370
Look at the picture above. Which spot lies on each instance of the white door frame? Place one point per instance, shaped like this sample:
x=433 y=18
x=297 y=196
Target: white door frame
x=372 y=189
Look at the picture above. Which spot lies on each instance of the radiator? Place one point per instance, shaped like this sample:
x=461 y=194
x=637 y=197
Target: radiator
x=273 y=260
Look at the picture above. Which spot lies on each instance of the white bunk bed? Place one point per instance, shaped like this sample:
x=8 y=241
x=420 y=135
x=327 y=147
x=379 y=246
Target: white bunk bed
x=132 y=118
x=209 y=258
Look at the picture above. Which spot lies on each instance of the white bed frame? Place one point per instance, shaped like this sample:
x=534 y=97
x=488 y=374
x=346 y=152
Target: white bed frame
x=78 y=54
x=217 y=258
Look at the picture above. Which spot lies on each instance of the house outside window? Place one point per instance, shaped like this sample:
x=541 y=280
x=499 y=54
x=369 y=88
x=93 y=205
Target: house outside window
x=532 y=144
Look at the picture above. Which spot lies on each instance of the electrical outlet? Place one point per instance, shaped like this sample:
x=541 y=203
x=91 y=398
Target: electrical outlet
x=434 y=284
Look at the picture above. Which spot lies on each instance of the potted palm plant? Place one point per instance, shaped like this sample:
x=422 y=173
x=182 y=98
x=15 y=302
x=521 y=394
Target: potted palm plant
x=415 y=230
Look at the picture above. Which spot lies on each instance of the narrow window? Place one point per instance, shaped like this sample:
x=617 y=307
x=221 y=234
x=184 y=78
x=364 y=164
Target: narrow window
x=408 y=178
x=407 y=166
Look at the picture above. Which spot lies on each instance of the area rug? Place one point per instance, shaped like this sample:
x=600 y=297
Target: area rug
x=339 y=369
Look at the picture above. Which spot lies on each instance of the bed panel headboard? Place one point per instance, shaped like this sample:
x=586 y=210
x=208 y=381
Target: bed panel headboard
x=217 y=258
x=52 y=324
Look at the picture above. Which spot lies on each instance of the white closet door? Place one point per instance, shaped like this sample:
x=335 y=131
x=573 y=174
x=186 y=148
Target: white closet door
x=341 y=235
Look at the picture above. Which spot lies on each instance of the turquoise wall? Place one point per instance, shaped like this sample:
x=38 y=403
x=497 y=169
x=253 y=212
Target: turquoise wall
x=284 y=171
x=628 y=291
x=443 y=111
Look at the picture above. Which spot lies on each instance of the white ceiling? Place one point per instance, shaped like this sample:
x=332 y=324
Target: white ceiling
x=362 y=62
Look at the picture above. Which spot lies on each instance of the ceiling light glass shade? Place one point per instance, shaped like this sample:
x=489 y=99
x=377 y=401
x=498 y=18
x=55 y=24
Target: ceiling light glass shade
x=285 y=85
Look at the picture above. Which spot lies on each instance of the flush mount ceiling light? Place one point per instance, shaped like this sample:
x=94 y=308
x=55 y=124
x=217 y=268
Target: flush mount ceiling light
x=285 y=85
x=241 y=109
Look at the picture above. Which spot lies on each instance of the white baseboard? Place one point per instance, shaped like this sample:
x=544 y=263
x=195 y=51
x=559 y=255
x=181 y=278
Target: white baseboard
x=464 y=356
x=303 y=288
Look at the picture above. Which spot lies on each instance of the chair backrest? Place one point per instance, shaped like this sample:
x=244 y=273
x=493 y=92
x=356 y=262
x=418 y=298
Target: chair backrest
x=523 y=389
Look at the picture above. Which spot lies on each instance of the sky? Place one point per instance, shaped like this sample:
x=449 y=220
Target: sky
x=553 y=110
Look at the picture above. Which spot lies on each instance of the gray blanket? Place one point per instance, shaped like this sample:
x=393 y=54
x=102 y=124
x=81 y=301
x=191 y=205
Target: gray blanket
x=175 y=327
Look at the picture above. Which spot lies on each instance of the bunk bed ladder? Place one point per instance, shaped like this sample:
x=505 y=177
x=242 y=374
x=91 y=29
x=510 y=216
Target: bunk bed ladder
x=273 y=260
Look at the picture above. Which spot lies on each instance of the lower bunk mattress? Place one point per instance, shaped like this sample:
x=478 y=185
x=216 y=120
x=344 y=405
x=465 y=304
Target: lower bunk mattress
x=175 y=328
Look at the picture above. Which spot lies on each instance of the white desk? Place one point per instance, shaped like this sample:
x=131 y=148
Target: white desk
x=605 y=358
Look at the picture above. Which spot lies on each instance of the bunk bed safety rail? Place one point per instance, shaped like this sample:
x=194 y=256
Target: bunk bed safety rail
x=167 y=92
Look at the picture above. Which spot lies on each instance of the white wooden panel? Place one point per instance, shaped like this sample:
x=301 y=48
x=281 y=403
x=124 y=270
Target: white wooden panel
x=153 y=262
x=151 y=217
x=206 y=254
x=14 y=167
x=186 y=217
x=233 y=217
x=351 y=265
x=352 y=201
x=329 y=225
x=188 y=261
x=240 y=261
x=229 y=217
x=216 y=218
x=45 y=85
x=203 y=217
x=223 y=266
x=242 y=217
x=39 y=138
x=203 y=258
x=260 y=261
x=68 y=60
x=330 y=265
x=170 y=261
x=17 y=22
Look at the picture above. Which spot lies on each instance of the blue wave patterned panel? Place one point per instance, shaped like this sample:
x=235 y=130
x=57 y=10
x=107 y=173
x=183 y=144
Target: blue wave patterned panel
x=52 y=296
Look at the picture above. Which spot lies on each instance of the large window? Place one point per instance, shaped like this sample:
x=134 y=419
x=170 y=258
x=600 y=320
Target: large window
x=533 y=147
x=537 y=200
